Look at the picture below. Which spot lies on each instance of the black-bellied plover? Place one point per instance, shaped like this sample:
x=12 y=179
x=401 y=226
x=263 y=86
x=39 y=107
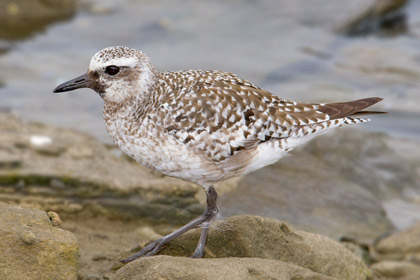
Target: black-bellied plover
x=201 y=126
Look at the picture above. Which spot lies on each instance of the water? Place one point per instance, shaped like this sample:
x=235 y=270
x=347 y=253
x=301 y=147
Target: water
x=287 y=47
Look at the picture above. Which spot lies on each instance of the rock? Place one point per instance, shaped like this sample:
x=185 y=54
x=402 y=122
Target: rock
x=93 y=277
x=403 y=212
x=369 y=160
x=8 y=160
x=166 y=267
x=378 y=16
x=401 y=244
x=54 y=218
x=32 y=248
x=21 y=18
x=257 y=237
x=323 y=186
x=397 y=270
x=361 y=251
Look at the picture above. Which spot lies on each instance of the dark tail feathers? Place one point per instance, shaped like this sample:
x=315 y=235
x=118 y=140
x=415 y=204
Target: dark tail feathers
x=351 y=108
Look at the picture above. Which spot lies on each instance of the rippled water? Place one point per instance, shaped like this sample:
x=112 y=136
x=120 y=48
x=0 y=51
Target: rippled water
x=287 y=47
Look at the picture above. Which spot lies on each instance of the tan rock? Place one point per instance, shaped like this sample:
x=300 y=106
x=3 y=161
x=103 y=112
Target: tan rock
x=166 y=267
x=397 y=270
x=32 y=248
x=406 y=241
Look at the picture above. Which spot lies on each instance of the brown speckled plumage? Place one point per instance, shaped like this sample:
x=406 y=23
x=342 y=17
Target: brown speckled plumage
x=205 y=126
x=201 y=126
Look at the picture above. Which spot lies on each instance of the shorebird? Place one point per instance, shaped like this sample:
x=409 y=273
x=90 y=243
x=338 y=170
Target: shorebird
x=201 y=126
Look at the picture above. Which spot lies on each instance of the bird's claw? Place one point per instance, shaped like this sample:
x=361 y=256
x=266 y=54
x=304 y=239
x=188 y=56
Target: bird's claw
x=150 y=250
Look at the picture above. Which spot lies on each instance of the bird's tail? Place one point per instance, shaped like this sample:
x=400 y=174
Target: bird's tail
x=349 y=109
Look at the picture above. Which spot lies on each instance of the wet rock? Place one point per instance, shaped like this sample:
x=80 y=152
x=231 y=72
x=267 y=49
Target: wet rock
x=21 y=18
x=370 y=161
x=385 y=17
x=320 y=188
x=165 y=267
x=396 y=270
x=257 y=237
x=31 y=248
x=9 y=160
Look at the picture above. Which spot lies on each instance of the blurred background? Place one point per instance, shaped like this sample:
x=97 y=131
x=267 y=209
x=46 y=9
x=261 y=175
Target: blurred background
x=295 y=49
x=309 y=51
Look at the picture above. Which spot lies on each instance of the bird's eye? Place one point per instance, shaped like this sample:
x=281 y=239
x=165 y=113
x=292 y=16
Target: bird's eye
x=112 y=70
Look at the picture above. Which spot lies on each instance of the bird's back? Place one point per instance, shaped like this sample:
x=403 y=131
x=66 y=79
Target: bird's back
x=236 y=127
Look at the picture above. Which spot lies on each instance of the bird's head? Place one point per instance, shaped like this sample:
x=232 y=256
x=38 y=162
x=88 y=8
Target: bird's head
x=116 y=73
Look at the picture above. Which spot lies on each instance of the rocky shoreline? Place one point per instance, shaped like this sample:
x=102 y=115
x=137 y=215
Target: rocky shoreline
x=71 y=207
x=333 y=187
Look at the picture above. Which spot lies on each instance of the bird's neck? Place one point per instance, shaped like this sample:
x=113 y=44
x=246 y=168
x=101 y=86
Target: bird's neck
x=135 y=107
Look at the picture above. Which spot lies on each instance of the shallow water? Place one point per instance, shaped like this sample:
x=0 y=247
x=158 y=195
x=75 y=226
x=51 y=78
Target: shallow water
x=286 y=47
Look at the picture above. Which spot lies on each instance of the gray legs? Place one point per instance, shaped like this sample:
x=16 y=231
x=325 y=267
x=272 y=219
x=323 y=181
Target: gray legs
x=199 y=251
x=210 y=212
x=204 y=220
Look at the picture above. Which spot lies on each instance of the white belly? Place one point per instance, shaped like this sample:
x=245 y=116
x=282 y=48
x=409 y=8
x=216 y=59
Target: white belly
x=155 y=150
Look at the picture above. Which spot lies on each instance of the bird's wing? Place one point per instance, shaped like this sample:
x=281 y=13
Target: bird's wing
x=220 y=114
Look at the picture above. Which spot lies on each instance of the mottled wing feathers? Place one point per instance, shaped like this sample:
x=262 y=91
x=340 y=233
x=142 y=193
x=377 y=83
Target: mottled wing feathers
x=216 y=112
x=221 y=115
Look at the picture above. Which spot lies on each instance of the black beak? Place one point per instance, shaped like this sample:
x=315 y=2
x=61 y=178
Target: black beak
x=79 y=82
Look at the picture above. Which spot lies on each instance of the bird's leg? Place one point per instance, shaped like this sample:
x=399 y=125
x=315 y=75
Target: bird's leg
x=204 y=219
x=210 y=211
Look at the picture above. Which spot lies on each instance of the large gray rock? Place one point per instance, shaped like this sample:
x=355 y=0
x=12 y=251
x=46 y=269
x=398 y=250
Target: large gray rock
x=257 y=237
x=165 y=267
x=31 y=248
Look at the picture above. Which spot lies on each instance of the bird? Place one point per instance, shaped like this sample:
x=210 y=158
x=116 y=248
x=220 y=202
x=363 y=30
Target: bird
x=202 y=126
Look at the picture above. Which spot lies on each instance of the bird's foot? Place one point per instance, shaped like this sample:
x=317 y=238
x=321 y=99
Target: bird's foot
x=199 y=250
x=198 y=253
x=150 y=250
x=203 y=220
